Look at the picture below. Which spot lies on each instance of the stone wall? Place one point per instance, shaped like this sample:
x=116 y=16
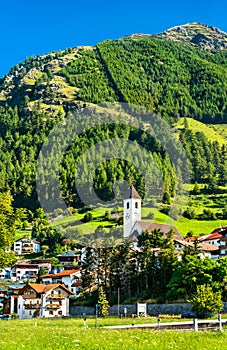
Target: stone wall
x=152 y=309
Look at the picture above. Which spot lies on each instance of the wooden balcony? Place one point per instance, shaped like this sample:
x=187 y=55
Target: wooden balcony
x=53 y=306
x=57 y=296
x=32 y=306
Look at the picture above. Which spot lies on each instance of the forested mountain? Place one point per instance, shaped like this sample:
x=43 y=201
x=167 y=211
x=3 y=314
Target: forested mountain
x=169 y=77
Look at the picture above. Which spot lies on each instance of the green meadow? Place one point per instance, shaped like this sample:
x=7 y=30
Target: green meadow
x=55 y=334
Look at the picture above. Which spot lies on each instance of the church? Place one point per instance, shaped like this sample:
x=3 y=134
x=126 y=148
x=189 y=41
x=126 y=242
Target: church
x=133 y=225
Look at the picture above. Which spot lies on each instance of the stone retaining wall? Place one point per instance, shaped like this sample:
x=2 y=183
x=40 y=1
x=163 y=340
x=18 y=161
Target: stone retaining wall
x=152 y=309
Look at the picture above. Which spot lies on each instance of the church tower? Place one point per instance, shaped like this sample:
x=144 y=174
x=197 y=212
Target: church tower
x=132 y=210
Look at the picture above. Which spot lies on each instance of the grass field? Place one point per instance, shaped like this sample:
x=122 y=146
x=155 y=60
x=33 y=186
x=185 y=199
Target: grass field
x=213 y=132
x=55 y=334
x=184 y=225
x=199 y=202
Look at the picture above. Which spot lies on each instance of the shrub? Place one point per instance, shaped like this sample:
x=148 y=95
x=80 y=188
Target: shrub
x=150 y=215
x=88 y=217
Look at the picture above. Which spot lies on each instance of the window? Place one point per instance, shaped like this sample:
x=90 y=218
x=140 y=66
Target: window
x=127 y=205
x=59 y=312
x=51 y=312
x=136 y=205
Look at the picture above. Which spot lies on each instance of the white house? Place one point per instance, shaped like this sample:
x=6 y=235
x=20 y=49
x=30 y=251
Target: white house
x=41 y=300
x=22 y=272
x=70 y=278
x=26 y=246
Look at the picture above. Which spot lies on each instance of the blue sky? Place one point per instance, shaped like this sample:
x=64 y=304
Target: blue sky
x=36 y=27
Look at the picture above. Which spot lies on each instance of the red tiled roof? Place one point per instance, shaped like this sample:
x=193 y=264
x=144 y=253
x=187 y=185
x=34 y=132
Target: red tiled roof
x=219 y=230
x=63 y=273
x=192 y=239
x=208 y=247
x=44 y=288
x=214 y=235
x=26 y=266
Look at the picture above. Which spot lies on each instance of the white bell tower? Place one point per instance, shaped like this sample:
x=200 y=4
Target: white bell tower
x=132 y=210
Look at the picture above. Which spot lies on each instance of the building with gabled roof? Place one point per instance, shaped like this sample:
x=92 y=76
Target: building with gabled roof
x=26 y=246
x=70 y=278
x=24 y=272
x=41 y=300
x=133 y=225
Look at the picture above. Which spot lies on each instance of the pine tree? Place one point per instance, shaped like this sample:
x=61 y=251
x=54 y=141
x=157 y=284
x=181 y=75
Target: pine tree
x=103 y=303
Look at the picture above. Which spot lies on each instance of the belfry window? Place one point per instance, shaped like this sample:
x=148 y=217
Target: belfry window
x=127 y=205
x=136 y=205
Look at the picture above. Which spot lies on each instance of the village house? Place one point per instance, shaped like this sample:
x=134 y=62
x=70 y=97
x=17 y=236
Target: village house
x=26 y=246
x=206 y=249
x=45 y=263
x=24 y=272
x=223 y=242
x=70 y=278
x=40 y=300
x=72 y=258
x=216 y=239
x=213 y=238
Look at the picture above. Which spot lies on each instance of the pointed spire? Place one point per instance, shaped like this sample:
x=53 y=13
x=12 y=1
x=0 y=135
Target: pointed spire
x=132 y=193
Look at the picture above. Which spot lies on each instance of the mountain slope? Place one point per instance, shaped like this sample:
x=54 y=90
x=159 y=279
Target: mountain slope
x=197 y=34
x=167 y=77
x=170 y=78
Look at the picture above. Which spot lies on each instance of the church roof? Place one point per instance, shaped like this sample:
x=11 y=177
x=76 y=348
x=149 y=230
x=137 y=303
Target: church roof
x=132 y=193
x=151 y=226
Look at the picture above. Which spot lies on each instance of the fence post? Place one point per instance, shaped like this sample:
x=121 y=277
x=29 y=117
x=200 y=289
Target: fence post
x=220 y=323
x=195 y=324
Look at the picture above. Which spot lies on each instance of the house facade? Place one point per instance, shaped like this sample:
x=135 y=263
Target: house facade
x=24 y=272
x=71 y=258
x=40 y=300
x=26 y=246
x=70 y=278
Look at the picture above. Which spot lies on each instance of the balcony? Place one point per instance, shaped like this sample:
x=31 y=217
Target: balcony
x=53 y=306
x=27 y=250
x=32 y=306
x=56 y=296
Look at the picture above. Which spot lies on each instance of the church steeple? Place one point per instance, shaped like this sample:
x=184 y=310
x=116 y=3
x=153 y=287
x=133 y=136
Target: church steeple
x=133 y=193
x=132 y=210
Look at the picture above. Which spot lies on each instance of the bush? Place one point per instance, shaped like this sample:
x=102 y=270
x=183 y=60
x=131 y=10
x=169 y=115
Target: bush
x=165 y=209
x=189 y=213
x=205 y=301
x=150 y=215
x=166 y=198
x=88 y=217
x=208 y=215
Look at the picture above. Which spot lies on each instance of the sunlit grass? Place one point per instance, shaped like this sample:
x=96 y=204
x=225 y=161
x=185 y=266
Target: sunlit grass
x=51 y=334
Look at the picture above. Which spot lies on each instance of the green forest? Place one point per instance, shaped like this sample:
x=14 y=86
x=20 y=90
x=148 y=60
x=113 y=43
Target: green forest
x=170 y=79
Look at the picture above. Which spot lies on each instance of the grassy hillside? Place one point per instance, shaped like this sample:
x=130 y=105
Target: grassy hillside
x=170 y=78
x=221 y=129
x=213 y=132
